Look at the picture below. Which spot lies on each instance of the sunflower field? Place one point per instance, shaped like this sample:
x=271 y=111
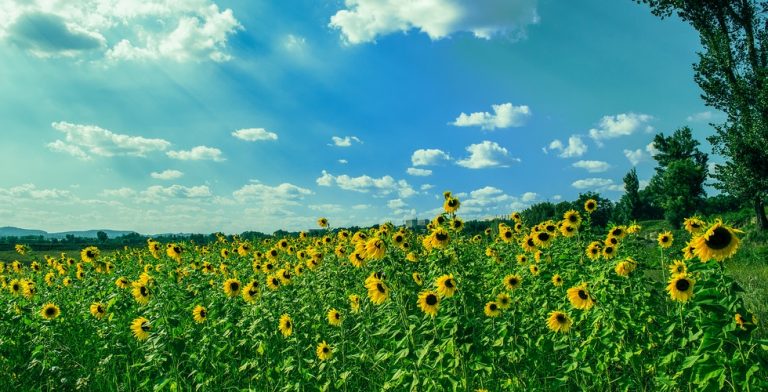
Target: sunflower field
x=524 y=306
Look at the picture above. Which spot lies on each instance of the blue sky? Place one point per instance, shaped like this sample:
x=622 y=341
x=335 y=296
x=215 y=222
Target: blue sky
x=204 y=115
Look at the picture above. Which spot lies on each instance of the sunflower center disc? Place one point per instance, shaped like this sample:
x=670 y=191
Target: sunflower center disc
x=431 y=300
x=682 y=284
x=583 y=295
x=719 y=239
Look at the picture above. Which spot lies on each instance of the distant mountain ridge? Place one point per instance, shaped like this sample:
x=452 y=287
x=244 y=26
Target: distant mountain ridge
x=9 y=231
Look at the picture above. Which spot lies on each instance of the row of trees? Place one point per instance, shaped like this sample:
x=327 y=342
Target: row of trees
x=732 y=73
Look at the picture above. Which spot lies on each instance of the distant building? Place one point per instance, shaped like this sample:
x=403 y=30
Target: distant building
x=416 y=223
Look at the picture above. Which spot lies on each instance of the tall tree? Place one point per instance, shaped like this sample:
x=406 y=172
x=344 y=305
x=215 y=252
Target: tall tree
x=678 y=185
x=733 y=74
x=629 y=205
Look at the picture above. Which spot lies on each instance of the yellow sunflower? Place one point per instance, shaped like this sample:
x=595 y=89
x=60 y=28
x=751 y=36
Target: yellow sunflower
x=534 y=269
x=446 y=285
x=141 y=292
x=273 y=282
x=429 y=302
x=141 y=327
x=693 y=225
x=665 y=239
x=324 y=351
x=513 y=281
x=557 y=280
x=89 y=254
x=378 y=292
x=559 y=322
x=543 y=238
x=334 y=317
x=572 y=217
x=354 y=303
x=580 y=298
x=199 y=314
x=609 y=251
x=98 y=310
x=285 y=325
x=678 y=267
x=375 y=248
x=492 y=309
x=590 y=206
x=439 y=238
x=322 y=222
x=503 y=300
x=417 y=278
x=568 y=230
x=251 y=291
x=50 y=311
x=680 y=287
x=231 y=287
x=451 y=204
x=594 y=250
x=719 y=242
x=506 y=234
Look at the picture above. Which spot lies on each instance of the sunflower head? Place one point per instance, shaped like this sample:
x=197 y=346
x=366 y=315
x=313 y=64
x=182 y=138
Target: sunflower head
x=559 y=322
x=285 y=325
x=590 y=206
x=324 y=351
x=718 y=242
x=334 y=317
x=199 y=314
x=580 y=298
x=98 y=310
x=492 y=309
x=680 y=287
x=446 y=285
x=513 y=281
x=232 y=287
x=50 y=311
x=504 y=300
x=140 y=328
x=429 y=302
x=665 y=239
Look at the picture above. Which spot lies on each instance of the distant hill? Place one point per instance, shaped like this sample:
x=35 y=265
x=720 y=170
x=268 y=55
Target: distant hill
x=18 y=232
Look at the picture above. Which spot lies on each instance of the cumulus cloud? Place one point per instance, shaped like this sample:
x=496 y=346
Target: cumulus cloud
x=597 y=184
x=365 y=20
x=592 y=166
x=486 y=154
x=86 y=141
x=199 y=153
x=343 y=161
x=123 y=192
x=381 y=186
x=283 y=194
x=428 y=157
x=623 y=124
x=31 y=191
x=345 y=141
x=396 y=204
x=504 y=115
x=254 y=134
x=419 y=172
x=120 y=30
x=166 y=175
x=529 y=196
x=651 y=149
x=634 y=156
x=426 y=187
x=575 y=148
x=700 y=117
x=157 y=193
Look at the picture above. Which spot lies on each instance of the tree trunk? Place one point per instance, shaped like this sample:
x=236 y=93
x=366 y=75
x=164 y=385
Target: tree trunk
x=762 y=221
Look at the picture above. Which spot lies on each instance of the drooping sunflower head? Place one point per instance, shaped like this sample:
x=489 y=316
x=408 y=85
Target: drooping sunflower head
x=199 y=314
x=693 y=225
x=559 y=322
x=251 y=291
x=285 y=325
x=680 y=287
x=492 y=309
x=322 y=222
x=354 y=303
x=429 y=302
x=665 y=239
x=378 y=292
x=417 y=278
x=718 y=242
x=446 y=285
x=513 y=281
x=50 y=311
x=141 y=292
x=140 y=328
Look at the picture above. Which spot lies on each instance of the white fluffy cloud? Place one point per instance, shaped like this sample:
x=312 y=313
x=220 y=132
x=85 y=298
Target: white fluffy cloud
x=283 y=194
x=159 y=192
x=123 y=192
x=504 y=115
x=623 y=124
x=199 y=153
x=699 y=117
x=120 y=29
x=345 y=141
x=575 y=148
x=85 y=141
x=597 y=184
x=428 y=157
x=592 y=166
x=529 y=196
x=31 y=191
x=634 y=156
x=651 y=149
x=364 y=20
x=419 y=172
x=254 y=134
x=166 y=175
x=381 y=186
x=396 y=204
x=486 y=154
